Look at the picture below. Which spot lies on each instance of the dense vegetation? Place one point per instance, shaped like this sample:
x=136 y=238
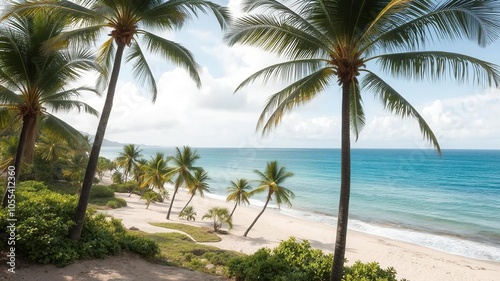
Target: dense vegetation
x=43 y=221
x=297 y=261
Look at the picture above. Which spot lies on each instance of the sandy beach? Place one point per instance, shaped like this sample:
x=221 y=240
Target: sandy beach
x=411 y=261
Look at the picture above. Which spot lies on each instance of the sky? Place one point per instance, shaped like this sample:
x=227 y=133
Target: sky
x=462 y=115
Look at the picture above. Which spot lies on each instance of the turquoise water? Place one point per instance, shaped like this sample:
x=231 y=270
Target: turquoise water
x=450 y=203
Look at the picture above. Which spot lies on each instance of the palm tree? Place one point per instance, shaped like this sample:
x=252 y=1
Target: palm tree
x=156 y=172
x=33 y=80
x=183 y=166
x=271 y=181
x=139 y=174
x=238 y=193
x=130 y=23
x=219 y=216
x=103 y=165
x=127 y=159
x=335 y=41
x=199 y=185
x=188 y=213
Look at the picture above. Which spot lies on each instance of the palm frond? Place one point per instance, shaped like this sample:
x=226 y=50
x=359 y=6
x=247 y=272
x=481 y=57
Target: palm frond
x=142 y=71
x=395 y=103
x=9 y=97
x=295 y=94
x=276 y=35
x=60 y=129
x=285 y=71
x=433 y=65
x=105 y=58
x=173 y=52
x=356 y=112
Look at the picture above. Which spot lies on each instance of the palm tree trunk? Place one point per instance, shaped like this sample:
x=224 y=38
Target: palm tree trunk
x=81 y=208
x=345 y=189
x=172 y=202
x=235 y=205
x=189 y=201
x=27 y=124
x=258 y=216
x=132 y=191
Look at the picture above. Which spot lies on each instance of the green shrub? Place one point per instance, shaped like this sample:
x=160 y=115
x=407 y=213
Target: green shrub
x=294 y=261
x=31 y=186
x=101 y=191
x=117 y=177
x=369 y=272
x=43 y=222
x=124 y=187
x=116 y=203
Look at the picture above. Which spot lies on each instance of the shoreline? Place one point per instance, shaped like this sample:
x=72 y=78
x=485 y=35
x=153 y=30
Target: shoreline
x=411 y=261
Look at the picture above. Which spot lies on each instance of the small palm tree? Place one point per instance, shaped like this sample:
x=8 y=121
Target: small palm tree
x=103 y=165
x=271 y=182
x=183 y=166
x=149 y=196
x=156 y=173
x=139 y=174
x=239 y=193
x=219 y=216
x=127 y=159
x=33 y=80
x=188 y=213
x=199 y=186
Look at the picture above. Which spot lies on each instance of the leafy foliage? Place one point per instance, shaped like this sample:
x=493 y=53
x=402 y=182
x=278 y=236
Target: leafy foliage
x=101 y=191
x=219 y=216
x=44 y=218
x=297 y=261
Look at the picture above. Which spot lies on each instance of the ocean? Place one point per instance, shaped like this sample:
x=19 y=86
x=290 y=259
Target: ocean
x=450 y=203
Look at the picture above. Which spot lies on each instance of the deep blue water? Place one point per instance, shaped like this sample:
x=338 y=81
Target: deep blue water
x=449 y=202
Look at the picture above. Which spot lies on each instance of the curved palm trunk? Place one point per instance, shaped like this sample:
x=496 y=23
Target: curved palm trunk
x=172 y=203
x=189 y=201
x=28 y=123
x=235 y=205
x=345 y=186
x=260 y=214
x=81 y=208
x=132 y=191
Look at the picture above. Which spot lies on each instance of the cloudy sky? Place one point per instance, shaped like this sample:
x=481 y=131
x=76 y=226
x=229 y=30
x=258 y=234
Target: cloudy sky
x=462 y=115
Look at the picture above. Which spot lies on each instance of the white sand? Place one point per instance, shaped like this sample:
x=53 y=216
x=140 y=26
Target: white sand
x=413 y=262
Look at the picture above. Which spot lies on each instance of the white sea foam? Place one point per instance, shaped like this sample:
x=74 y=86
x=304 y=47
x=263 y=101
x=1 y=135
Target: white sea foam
x=446 y=244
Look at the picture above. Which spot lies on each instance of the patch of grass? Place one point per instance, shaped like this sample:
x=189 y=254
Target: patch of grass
x=200 y=234
x=179 y=250
x=63 y=187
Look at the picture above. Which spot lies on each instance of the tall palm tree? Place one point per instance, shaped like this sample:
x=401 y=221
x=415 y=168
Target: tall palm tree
x=127 y=159
x=156 y=172
x=343 y=41
x=127 y=23
x=183 y=167
x=271 y=181
x=238 y=193
x=33 y=80
x=199 y=185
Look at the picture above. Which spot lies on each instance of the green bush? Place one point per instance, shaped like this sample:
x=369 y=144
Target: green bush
x=117 y=177
x=43 y=222
x=123 y=187
x=116 y=203
x=101 y=191
x=294 y=261
x=31 y=186
x=369 y=272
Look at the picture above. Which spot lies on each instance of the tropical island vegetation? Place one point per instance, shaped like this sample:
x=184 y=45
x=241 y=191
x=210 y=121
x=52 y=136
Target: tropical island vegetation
x=44 y=49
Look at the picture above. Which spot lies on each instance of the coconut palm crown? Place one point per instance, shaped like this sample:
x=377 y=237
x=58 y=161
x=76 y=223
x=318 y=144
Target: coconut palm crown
x=345 y=42
x=34 y=82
